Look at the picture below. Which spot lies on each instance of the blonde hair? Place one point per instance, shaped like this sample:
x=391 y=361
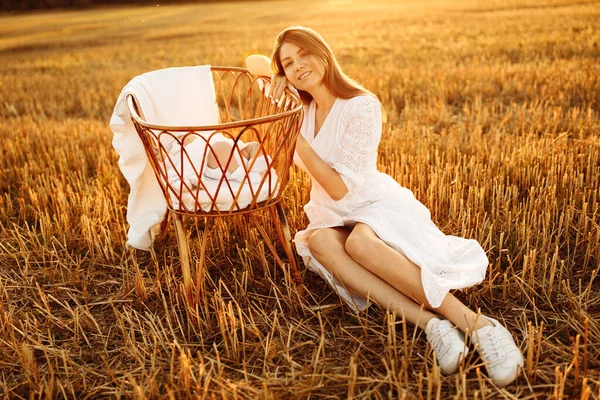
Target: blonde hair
x=335 y=79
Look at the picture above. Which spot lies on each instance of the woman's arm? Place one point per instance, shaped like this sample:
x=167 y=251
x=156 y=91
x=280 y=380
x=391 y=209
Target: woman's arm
x=259 y=65
x=327 y=177
x=356 y=150
x=355 y=153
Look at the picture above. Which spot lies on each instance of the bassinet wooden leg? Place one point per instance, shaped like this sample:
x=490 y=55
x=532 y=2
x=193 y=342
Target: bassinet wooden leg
x=184 y=255
x=201 y=262
x=285 y=238
x=165 y=222
x=164 y=228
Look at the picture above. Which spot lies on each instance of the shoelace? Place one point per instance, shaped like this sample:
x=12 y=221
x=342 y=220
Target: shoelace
x=492 y=349
x=440 y=340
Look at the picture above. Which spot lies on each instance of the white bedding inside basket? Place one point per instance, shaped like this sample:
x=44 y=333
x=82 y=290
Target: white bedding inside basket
x=210 y=189
x=183 y=174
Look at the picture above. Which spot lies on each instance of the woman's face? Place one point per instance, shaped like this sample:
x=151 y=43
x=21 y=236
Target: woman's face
x=302 y=69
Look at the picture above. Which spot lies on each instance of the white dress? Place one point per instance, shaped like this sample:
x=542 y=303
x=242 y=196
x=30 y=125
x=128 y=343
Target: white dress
x=348 y=142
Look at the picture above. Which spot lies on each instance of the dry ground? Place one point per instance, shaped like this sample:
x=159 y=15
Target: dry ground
x=493 y=121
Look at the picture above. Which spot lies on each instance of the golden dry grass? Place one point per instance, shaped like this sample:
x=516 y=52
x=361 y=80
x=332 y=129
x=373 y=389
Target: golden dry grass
x=493 y=123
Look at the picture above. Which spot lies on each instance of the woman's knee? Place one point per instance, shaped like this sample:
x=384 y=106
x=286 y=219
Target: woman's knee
x=323 y=241
x=361 y=246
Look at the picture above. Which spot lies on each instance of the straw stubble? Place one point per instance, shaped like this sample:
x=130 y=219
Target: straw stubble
x=492 y=121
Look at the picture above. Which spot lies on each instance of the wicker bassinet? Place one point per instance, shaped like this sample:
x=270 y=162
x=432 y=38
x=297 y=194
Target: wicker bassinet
x=246 y=115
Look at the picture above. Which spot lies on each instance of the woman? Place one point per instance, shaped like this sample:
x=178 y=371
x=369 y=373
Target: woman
x=368 y=236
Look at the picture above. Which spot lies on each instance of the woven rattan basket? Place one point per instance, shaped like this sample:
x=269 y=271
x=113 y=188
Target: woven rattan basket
x=246 y=115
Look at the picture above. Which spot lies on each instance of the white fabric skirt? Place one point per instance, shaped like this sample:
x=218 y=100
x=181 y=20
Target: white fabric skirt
x=400 y=220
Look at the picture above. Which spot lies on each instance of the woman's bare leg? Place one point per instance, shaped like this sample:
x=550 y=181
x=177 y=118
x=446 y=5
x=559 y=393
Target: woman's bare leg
x=327 y=245
x=366 y=248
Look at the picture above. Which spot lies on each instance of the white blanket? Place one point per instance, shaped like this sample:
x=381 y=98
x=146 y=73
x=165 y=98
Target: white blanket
x=190 y=177
x=174 y=96
x=224 y=193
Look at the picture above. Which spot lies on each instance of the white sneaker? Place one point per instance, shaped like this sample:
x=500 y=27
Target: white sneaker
x=497 y=348
x=448 y=344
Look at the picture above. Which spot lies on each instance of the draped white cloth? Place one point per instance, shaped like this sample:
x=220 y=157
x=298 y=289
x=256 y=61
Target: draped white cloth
x=348 y=142
x=183 y=96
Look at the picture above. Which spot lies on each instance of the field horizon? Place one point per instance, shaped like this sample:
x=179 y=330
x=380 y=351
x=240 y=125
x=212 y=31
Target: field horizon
x=493 y=121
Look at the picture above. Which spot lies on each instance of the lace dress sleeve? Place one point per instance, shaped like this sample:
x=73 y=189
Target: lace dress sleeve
x=358 y=143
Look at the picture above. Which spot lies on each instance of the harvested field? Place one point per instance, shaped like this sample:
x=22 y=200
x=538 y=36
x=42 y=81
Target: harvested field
x=493 y=121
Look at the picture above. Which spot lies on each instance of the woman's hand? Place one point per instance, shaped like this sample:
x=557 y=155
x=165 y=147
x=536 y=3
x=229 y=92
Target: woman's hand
x=260 y=65
x=278 y=85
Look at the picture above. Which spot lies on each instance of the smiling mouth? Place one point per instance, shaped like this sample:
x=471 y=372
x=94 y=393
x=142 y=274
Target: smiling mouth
x=304 y=75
